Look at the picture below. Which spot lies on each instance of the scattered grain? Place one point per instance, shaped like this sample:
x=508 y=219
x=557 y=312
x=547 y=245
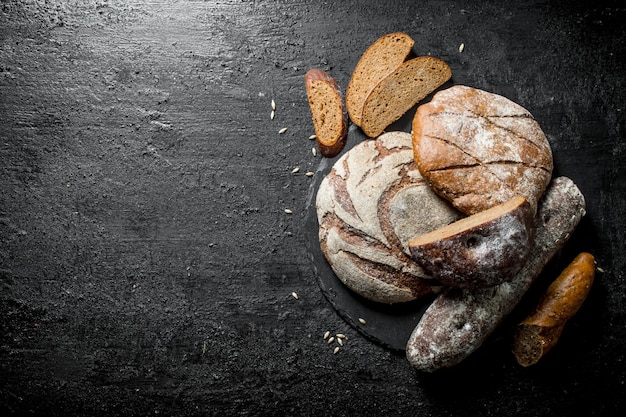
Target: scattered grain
x=313 y=137
x=461 y=47
x=294 y=295
x=272 y=114
x=283 y=130
x=326 y=335
x=336 y=350
x=309 y=173
x=314 y=151
x=273 y=105
x=295 y=170
x=362 y=320
x=331 y=340
x=600 y=270
x=341 y=336
x=288 y=211
x=340 y=341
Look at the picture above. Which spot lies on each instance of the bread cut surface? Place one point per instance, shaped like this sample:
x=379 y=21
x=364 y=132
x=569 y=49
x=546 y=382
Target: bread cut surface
x=402 y=89
x=369 y=206
x=481 y=250
x=330 y=118
x=382 y=57
x=478 y=149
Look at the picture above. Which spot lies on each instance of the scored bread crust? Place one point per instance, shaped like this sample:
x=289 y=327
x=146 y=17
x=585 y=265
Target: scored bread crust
x=400 y=90
x=478 y=149
x=330 y=117
x=369 y=206
x=381 y=58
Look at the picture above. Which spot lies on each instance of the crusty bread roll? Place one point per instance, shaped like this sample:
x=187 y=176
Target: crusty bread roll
x=479 y=149
x=402 y=89
x=382 y=57
x=369 y=206
x=330 y=117
x=482 y=250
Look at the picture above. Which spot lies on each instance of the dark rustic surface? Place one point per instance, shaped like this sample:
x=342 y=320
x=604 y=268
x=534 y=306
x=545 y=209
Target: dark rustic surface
x=147 y=262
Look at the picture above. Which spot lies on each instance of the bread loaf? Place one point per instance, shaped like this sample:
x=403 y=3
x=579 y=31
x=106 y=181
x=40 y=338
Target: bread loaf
x=330 y=117
x=479 y=149
x=481 y=250
x=380 y=59
x=402 y=89
x=369 y=206
x=537 y=334
x=458 y=321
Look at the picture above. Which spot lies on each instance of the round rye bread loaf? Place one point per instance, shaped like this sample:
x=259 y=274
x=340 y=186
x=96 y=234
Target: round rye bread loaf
x=369 y=206
x=479 y=149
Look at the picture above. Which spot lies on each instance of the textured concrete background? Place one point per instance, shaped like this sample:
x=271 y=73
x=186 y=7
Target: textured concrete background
x=146 y=259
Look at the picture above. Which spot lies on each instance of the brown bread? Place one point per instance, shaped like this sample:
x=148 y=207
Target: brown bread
x=402 y=89
x=479 y=149
x=385 y=55
x=328 y=110
x=481 y=250
x=539 y=332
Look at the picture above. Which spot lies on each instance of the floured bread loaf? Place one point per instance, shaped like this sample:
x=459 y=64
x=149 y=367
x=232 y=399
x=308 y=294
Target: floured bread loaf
x=369 y=206
x=479 y=149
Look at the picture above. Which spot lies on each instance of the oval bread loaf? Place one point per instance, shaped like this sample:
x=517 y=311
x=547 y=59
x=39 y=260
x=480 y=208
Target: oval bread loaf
x=382 y=57
x=479 y=149
x=369 y=206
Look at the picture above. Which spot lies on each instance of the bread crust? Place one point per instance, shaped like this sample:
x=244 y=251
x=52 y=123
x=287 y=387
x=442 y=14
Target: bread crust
x=538 y=333
x=369 y=206
x=479 y=149
x=328 y=110
x=482 y=250
x=381 y=58
x=458 y=321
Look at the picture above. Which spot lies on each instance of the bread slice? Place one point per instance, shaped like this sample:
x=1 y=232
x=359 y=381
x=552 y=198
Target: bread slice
x=481 y=250
x=407 y=85
x=330 y=117
x=385 y=55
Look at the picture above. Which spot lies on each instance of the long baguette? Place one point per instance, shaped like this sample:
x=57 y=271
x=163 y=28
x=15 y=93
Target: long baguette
x=459 y=321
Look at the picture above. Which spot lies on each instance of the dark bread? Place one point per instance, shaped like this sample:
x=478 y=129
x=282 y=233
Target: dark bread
x=402 y=89
x=369 y=206
x=481 y=250
x=381 y=58
x=330 y=117
x=459 y=321
x=479 y=149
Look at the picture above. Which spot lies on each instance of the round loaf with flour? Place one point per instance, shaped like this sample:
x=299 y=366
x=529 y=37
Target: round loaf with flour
x=479 y=149
x=369 y=206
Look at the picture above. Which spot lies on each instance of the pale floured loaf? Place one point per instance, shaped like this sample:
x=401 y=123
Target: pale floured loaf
x=382 y=57
x=479 y=149
x=369 y=206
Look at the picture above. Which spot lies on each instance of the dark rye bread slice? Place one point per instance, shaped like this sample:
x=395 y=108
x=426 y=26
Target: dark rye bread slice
x=402 y=89
x=481 y=250
x=369 y=206
x=330 y=118
x=382 y=57
x=459 y=320
x=479 y=149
